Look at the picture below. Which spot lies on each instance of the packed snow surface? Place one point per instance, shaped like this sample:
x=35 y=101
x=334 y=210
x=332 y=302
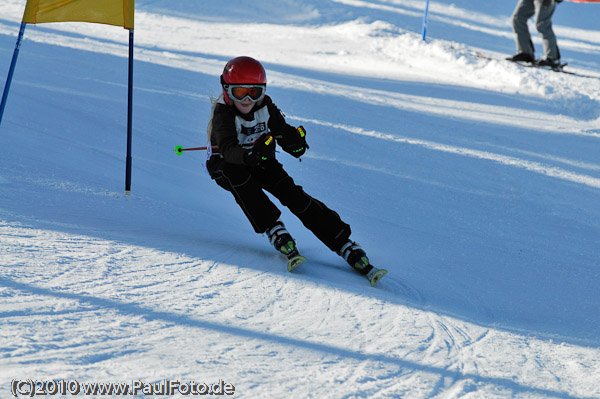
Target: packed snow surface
x=474 y=181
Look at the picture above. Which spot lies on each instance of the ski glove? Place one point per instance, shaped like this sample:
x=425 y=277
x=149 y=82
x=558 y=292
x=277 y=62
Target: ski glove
x=263 y=149
x=299 y=145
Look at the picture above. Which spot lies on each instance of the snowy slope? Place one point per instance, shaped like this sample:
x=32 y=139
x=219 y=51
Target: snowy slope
x=475 y=182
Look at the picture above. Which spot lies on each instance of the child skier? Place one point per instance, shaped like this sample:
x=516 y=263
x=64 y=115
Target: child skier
x=245 y=126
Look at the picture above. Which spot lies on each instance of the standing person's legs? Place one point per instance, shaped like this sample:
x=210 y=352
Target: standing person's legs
x=543 y=23
x=523 y=11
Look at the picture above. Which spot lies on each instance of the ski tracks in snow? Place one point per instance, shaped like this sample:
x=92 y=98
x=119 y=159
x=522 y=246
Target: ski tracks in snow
x=403 y=289
x=456 y=345
x=84 y=307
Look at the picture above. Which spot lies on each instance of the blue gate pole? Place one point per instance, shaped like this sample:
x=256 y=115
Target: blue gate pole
x=129 y=116
x=11 y=71
x=425 y=19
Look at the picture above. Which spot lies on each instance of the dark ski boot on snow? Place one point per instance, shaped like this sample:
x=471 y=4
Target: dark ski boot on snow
x=281 y=239
x=357 y=258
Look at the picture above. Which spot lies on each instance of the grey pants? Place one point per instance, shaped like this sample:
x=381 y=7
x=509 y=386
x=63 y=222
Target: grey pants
x=543 y=21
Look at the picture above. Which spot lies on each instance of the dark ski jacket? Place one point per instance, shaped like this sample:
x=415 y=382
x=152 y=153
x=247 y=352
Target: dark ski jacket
x=235 y=133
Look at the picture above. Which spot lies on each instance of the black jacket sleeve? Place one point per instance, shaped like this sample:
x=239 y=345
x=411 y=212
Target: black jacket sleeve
x=224 y=135
x=285 y=134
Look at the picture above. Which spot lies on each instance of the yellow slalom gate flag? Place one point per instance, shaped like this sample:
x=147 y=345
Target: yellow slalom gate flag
x=111 y=12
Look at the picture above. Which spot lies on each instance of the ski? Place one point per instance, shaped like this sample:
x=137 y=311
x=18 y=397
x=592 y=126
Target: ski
x=375 y=275
x=558 y=68
x=294 y=262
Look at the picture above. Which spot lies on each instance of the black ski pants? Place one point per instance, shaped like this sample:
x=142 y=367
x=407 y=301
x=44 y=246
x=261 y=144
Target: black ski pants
x=248 y=186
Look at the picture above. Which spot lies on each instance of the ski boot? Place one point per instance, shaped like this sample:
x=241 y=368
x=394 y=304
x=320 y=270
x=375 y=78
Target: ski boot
x=281 y=239
x=357 y=258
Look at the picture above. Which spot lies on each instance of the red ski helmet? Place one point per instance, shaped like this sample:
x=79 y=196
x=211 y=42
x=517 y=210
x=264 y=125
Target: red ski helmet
x=242 y=71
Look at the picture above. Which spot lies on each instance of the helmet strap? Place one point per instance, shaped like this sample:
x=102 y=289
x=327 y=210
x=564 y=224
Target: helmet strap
x=225 y=95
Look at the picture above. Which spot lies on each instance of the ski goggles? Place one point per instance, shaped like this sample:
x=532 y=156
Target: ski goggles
x=254 y=93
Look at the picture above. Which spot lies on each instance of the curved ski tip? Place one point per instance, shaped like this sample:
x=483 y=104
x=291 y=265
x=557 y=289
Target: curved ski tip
x=294 y=262
x=378 y=275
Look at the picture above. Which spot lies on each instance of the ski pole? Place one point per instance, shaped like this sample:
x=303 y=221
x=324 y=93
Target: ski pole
x=179 y=149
